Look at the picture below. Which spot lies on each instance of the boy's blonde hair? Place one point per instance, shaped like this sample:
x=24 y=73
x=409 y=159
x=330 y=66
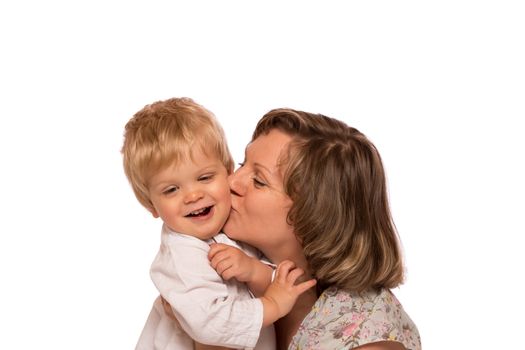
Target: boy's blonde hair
x=165 y=133
x=340 y=212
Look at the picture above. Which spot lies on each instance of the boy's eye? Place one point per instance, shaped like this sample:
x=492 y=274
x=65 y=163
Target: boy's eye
x=170 y=190
x=206 y=177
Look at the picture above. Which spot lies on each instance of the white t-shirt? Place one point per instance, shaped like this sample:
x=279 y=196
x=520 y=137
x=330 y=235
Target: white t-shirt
x=207 y=309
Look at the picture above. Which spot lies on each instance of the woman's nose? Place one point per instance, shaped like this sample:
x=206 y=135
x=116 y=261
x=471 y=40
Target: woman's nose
x=237 y=187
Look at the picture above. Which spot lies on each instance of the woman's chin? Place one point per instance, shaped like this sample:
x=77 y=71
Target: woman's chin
x=229 y=229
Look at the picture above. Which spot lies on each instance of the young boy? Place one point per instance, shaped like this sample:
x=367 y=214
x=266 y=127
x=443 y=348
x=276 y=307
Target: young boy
x=177 y=161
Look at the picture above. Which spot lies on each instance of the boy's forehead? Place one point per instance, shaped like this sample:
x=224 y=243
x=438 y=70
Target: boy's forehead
x=176 y=154
x=172 y=171
x=199 y=153
x=195 y=156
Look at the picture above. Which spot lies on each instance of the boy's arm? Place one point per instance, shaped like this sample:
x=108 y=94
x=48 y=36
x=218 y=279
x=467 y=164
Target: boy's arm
x=205 y=307
x=262 y=277
x=168 y=311
x=201 y=302
x=231 y=262
x=199 y=346
x=280 y=295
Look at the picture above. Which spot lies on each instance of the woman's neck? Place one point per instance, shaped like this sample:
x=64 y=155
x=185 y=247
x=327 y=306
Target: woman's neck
x=287 y=326
x=292 y=251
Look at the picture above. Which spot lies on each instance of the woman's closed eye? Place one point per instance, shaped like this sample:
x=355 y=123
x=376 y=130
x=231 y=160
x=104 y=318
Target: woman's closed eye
x=258 y=183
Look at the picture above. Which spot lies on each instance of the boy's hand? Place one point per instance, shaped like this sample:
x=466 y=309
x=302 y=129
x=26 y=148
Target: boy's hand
x=231 y=262
x=282 y=293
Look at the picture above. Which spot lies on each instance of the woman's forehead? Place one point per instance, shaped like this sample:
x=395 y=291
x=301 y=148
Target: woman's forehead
x=266 y=149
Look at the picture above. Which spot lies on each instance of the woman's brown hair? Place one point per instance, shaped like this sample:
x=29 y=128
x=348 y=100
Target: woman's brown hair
x=335 y=178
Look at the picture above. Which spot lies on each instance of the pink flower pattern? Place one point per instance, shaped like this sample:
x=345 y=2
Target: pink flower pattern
x=345 y=320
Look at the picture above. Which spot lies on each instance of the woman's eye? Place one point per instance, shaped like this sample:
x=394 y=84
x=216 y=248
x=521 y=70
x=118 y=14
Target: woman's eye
x=258 y=183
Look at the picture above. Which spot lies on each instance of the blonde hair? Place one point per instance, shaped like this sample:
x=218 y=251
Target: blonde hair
x=164 y=133
x=340 y=212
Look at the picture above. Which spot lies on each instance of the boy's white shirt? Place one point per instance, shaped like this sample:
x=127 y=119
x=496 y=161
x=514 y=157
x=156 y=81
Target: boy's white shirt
x=208 y=309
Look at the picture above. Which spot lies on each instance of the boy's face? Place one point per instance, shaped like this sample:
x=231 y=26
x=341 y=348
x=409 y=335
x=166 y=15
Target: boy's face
x=192 y=197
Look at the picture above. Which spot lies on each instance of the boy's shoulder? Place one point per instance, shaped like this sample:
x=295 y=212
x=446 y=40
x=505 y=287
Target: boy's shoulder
x=248 y=249
x=180 y=242
x=222 y=238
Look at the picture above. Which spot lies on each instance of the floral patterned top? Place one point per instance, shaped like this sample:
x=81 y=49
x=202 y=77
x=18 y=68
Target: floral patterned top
x=345 y=320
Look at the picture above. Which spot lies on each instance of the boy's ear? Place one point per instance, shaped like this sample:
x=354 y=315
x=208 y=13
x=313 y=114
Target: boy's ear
x=153 y=212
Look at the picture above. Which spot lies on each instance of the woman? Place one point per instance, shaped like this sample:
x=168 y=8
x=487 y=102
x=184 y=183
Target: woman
x=313 y=190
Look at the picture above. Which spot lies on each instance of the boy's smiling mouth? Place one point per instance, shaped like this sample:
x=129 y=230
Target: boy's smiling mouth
x=200 y=212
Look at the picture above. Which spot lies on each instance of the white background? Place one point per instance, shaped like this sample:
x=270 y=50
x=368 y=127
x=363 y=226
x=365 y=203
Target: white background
x=438 y=86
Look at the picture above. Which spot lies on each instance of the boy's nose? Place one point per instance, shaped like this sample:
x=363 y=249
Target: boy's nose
x=193 y=196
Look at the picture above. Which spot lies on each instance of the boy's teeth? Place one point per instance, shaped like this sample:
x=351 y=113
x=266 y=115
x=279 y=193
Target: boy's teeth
x=197 y=212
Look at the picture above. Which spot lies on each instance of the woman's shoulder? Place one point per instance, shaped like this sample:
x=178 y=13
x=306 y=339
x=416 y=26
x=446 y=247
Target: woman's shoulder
x=345 y=320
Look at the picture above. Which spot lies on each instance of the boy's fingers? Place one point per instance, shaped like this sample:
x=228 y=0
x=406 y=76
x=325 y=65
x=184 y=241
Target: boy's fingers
x=222 y=266
x=226 y=275
x=215 y=248
x=215 y=254
x=295 y=274
x=217 y=259
x=283 y=269
x=304 y=286
x=288 y=273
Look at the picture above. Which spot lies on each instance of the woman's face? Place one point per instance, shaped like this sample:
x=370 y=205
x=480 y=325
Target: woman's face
x=259 y=204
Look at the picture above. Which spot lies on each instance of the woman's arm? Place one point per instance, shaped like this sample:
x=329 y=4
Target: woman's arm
x=382 y=345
